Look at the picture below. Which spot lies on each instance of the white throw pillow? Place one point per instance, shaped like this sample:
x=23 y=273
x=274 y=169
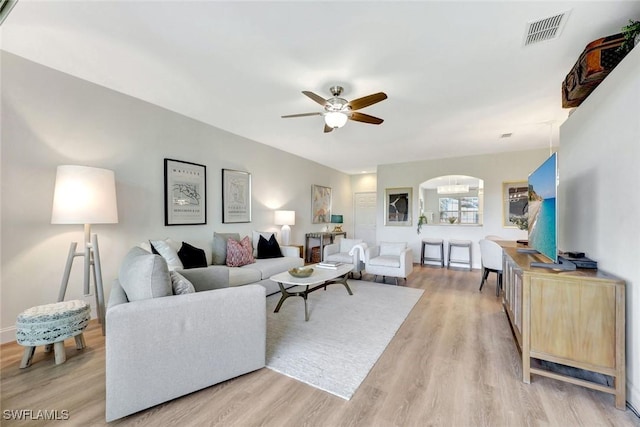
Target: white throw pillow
x=256 y=239
x=394 y=249
x=166 y=248
x=180 y=284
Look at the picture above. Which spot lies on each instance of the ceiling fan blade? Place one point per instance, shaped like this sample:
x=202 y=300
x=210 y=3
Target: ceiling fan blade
x=320 y=100
x=365 y=118
x=365 y=101
x=327 y=129
x=301 y=115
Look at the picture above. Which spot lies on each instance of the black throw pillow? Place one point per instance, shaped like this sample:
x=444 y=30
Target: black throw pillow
x=268 y=249
x=191 y=256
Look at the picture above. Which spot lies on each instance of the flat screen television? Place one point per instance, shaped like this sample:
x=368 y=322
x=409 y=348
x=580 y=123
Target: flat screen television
x=543 y=213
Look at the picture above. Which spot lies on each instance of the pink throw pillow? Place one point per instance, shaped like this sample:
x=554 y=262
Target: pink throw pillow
x=239 y=253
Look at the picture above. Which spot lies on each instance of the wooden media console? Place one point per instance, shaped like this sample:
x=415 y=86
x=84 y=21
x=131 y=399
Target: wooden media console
x=571 y=318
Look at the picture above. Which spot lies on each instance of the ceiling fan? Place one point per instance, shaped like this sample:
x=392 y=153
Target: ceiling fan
x=338 y=110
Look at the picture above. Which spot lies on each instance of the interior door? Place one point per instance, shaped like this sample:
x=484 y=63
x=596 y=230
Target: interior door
x=365 y=217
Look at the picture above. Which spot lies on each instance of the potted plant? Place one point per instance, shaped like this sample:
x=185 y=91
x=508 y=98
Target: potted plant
x=421 y=221
x=631 y=34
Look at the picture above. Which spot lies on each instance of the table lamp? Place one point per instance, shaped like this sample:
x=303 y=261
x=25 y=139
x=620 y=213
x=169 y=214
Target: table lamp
x=337 y=219
x=285 y=219
x=85 y=195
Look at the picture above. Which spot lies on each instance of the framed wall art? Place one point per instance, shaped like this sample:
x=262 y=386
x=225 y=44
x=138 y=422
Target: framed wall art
x=185 y=193
x=320 y=204
x=515 y=204
x=236 y=196
x=398 y=207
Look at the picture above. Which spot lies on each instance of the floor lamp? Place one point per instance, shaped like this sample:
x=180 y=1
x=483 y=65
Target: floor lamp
x=285 y=219
x=85 y=195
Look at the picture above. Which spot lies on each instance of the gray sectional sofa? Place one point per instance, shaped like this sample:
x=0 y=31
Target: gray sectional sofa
x=161 y=346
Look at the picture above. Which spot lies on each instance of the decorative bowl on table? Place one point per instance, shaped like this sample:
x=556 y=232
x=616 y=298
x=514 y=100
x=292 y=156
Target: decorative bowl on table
x=300 y=272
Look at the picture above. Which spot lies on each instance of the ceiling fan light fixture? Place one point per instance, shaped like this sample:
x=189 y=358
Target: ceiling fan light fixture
x=335 y=119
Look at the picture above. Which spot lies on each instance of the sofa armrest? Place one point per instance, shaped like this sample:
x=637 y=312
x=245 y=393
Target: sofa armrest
x=207 y=278
x=162 y=348
x=371 y=252
x=406 y=261
x=331 y=249
x=292 y=251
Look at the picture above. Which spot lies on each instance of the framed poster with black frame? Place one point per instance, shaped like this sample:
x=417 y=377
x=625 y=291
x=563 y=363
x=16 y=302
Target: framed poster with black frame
x=185 y=193
x=236 y=196
x=398 y=206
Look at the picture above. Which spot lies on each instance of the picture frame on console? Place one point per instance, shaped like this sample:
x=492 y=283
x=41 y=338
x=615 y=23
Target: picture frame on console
x=515 y=203
x=398 y=206
x=320 y=204
x=185 y=193
x=236 y=196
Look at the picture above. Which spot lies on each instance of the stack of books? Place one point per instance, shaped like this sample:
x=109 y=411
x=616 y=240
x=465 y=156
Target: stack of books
x=329 y=264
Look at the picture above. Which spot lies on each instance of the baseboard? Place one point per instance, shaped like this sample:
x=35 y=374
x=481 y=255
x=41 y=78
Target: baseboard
x=7 y=334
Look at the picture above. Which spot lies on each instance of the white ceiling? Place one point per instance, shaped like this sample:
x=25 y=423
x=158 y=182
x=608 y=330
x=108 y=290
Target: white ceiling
x=456 y=73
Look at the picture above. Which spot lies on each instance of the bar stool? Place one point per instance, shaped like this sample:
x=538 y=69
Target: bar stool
x=432 y=242
x=459 y=244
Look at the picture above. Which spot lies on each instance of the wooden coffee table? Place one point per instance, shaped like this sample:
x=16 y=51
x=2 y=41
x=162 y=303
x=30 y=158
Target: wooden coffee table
x=320 y=278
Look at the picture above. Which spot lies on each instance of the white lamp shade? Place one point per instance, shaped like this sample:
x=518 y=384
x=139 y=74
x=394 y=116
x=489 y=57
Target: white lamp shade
x=285 y=217
x=84 y=195
x=335 y=119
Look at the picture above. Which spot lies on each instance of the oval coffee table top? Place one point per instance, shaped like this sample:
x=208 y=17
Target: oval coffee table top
x=319 y=275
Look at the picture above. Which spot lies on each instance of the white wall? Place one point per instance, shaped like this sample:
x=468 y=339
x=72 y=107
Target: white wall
x=494 y=169
x=50 y=118
x=599 y=167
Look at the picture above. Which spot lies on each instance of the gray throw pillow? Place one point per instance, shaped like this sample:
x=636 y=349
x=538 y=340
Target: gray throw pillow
x=143 y=275
x=180 y=284
x=219 y=255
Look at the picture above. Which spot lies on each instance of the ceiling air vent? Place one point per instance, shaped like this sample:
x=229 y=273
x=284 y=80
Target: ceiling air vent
x=545 y=29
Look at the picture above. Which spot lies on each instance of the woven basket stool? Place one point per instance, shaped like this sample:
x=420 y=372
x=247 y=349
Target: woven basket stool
x=49 y=325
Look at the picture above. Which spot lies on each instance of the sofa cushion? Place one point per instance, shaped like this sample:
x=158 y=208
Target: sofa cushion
x=219 y=255
x=256 y=238
x=389 y=248
x=268 y=248
x=269 y=267
x=192 y=257
x=180 y=284
x=143 y=275
x=206 y=279
x=243 y=275
x=167 y=248
x=347 y=244
x=239 y=253
x=385 y=261
x=340 y=257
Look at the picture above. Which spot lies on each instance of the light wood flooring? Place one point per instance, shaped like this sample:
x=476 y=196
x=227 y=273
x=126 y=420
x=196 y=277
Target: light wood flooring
x=452 y=363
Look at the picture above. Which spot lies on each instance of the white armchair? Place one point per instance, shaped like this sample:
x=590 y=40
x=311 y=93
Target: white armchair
x=393 y=259
x=348 y=251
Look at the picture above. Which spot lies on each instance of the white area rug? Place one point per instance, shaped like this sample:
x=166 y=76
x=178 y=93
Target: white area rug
x=344 y=337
